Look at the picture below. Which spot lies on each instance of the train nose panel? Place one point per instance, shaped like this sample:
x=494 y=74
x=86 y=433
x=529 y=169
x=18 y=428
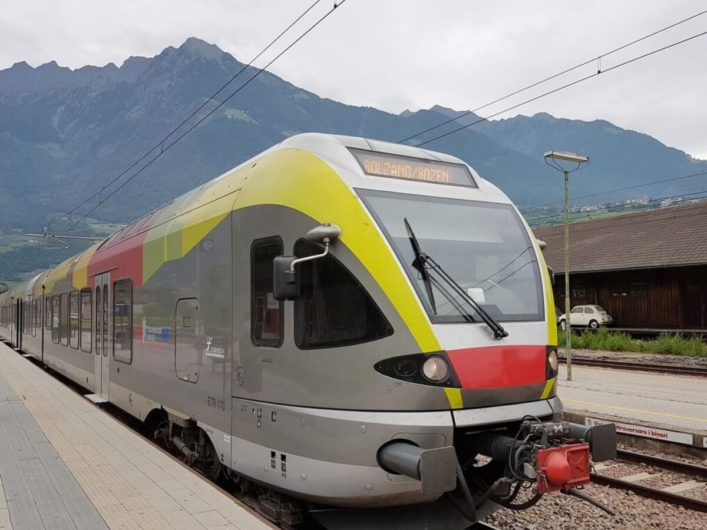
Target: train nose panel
x=499 y=366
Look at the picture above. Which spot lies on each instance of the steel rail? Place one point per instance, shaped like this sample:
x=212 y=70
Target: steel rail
x=695 y=371
x=656 y=493
x=652 y=493
x=664 y=463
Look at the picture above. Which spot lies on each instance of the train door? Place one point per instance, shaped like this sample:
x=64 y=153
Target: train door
x=102 y=335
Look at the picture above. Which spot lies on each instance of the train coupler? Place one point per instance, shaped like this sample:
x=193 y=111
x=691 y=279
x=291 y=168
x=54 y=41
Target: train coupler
x=562 y=468
x=555 y=455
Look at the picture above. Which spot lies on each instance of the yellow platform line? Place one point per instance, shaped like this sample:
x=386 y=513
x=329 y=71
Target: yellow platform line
x=629 y=409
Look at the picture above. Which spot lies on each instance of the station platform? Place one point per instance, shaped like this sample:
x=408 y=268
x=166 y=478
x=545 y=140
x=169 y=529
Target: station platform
x=65 y=463
x=673 y=403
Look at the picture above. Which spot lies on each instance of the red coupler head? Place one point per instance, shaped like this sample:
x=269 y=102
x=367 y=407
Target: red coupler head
x=563 y=467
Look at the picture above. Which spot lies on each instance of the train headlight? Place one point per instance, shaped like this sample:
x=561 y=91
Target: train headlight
x=435 y=369
x=405 y=368
x=423 y=369
x=552 y=362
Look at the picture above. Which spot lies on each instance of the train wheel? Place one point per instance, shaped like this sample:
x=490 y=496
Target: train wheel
x=211 y=465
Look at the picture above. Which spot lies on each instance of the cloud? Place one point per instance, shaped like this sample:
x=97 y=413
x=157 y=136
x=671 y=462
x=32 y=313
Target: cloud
x=410 y=54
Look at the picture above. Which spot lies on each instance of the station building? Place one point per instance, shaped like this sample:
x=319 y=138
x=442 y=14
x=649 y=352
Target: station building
x=647 y=269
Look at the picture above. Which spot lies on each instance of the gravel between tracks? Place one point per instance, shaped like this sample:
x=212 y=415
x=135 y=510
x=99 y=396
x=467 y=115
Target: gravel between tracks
x=558 y=511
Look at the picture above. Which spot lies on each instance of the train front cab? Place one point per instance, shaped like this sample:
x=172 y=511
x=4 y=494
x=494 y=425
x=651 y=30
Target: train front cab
x=401 y=419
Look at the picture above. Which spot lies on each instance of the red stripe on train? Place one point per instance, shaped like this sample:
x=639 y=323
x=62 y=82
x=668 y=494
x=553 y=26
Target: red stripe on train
x=499 y=366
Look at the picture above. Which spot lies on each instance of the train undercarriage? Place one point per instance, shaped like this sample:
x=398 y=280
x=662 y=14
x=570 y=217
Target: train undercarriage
x=510 y=466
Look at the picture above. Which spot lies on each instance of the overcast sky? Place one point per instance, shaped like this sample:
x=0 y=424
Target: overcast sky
x=411 y=54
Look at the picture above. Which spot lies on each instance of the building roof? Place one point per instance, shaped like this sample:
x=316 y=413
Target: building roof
x=668 y=237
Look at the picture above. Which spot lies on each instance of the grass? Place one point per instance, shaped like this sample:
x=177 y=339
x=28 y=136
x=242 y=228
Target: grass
x=606 y=340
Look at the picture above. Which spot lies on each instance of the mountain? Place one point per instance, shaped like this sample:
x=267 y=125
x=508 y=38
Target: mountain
x=65 y=133
x=618 y=157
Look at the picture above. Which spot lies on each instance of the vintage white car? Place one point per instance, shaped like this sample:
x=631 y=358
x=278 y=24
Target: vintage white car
x=591 y=316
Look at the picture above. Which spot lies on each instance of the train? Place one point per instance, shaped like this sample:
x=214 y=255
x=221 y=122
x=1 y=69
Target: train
x=338 y=322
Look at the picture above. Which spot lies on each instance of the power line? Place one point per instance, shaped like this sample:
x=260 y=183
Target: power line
x=686 y=197
x=163 y=150
x=195 y=112
x=563 y=87
x=554 y=76
x=633 y=187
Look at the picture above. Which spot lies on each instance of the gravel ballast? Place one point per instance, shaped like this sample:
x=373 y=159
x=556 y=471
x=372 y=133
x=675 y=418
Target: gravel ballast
x=559 y=511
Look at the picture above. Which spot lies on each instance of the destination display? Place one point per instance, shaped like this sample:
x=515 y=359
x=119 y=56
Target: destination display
x=410 y=168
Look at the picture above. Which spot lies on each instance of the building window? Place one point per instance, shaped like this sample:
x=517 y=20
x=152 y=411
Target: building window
x=637 y=289
x=334 y=309
x=266 y=313
x=86 y=320
x=123 y=320
x=55 y=319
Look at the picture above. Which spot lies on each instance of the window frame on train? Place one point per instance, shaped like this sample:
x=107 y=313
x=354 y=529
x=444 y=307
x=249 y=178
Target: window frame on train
x=261 y=274
x=55 y=319
x=118 y=353
x=306 y=338
x=89 y=343
x=74 y=319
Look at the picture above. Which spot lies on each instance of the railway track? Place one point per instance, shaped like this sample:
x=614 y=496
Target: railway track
x=695 y=477
x=622 y=365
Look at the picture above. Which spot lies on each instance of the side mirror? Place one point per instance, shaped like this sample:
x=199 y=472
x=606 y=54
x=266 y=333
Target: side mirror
x=324 y=233
x=285 y=280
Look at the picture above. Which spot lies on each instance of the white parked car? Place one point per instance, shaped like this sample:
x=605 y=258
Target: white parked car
x=591 y=316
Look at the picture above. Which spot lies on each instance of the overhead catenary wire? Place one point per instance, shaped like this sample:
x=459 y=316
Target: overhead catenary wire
x=195 y=112
x=166 y=148
x=625 y=188
x=657 y=203
x=597 y=58
x=565 y=86
x=653 y=204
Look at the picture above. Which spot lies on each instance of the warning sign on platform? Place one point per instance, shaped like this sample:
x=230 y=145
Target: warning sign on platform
x=645 y=432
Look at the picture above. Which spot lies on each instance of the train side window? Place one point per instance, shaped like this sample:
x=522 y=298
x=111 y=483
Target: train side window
x=86 y=316
x=36 y=320
x=55 y=319
x=48 y=313
x=266 y=313
x=123 y=320
x=334 y=308
x=64 y=319
x=74 y=319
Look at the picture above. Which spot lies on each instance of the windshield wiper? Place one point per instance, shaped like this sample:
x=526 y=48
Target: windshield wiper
x=419 y=264
x=423 y=261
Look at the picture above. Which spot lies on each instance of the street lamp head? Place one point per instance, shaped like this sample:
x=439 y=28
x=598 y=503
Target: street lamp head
x=567 y=157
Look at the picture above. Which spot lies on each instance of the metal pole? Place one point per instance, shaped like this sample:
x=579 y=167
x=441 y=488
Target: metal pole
x=568 y=323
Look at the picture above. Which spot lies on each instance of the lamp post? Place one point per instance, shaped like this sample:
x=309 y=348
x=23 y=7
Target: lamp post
x=554 y=159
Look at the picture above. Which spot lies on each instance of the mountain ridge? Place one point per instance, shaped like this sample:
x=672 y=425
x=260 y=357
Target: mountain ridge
x=65 y=132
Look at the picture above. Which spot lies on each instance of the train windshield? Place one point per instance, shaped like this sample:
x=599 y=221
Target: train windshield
x=484 y=247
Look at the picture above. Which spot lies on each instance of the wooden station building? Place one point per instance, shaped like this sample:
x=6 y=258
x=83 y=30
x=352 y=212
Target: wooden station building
x=647 y=269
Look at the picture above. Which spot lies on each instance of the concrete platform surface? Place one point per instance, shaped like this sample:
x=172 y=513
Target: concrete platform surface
x=64 y=463
x=672 y=400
